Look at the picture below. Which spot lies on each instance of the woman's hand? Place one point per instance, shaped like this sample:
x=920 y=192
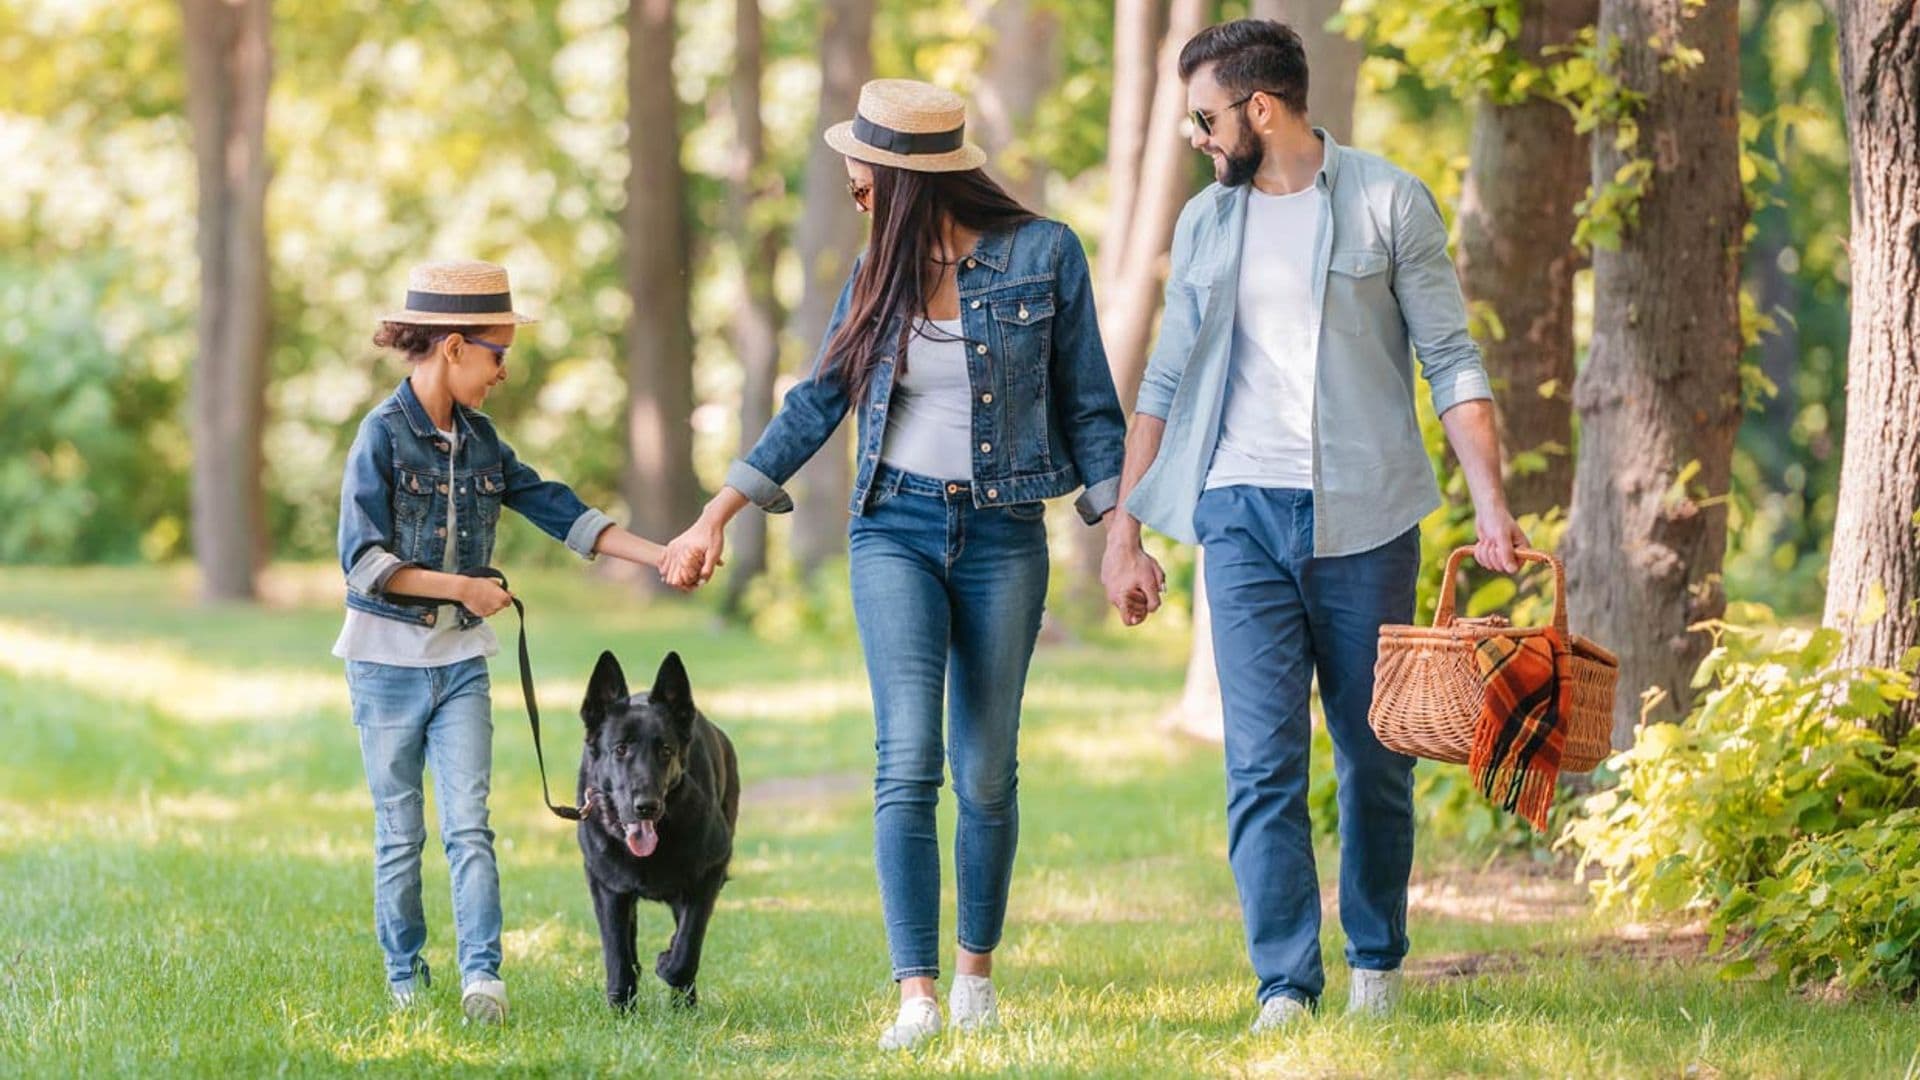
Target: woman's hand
x=691 y=557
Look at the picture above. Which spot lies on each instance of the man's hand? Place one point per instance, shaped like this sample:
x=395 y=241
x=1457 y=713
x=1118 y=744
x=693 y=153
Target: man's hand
x=484 y=597
x=1133 y=580
x=1499 y=536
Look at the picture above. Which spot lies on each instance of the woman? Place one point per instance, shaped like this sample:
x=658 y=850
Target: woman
x=423 y=488
x=966 y=335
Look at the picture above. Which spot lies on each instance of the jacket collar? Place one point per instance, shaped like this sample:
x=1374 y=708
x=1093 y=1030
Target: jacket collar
x=417 y=417
x=994 y=249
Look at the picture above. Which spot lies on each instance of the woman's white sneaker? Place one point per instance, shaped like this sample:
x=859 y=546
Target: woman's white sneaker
x=972 y=1003
x=485 y=1001
x=919 y=1020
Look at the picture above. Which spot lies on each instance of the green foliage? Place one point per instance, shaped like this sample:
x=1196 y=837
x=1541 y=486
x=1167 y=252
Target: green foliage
x=1841 y=908
x=1776 y=776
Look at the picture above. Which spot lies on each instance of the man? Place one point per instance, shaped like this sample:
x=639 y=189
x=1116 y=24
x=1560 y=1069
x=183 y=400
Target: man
x=1276 y=428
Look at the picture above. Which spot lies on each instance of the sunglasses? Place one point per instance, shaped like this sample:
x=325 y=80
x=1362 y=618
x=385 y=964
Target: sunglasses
x=1203 y=122
x=860 y=193
x=499 y=351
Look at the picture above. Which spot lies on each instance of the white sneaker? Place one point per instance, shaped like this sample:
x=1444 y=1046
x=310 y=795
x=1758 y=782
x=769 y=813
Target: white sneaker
x=404 y=995
x=1374 y=993
x=485 y=1001
x=1278 y=1012
x=919 y=1020
x=973 y=1003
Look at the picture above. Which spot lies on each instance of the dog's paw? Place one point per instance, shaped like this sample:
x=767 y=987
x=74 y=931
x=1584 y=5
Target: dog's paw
x=620 y=998
x=684 y=997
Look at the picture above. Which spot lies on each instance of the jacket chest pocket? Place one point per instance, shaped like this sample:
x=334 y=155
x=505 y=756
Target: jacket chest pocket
x=1024 y=329
x=414 y=500
x=489 y=491
x=1358 y=286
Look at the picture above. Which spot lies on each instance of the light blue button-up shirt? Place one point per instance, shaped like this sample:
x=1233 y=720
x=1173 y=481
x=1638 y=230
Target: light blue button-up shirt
x=1383 y=291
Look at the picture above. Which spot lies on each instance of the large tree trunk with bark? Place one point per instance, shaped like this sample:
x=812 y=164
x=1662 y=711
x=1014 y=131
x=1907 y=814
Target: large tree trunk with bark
x=1528 y=169
x=1659 y=399
x=662 y=493
x=752 y=186
x=827 y=239
x=1876 y=537
x=1022 y=65
x=229 y=60
x=1333 y=60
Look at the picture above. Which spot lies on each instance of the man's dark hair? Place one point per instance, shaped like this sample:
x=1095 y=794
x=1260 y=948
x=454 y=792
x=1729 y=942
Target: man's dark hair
x=1249 y=55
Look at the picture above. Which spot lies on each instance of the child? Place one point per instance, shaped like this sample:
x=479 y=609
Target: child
x=424 y=485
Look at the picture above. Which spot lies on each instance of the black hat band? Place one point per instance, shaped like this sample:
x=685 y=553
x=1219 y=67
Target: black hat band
x=907 y=142
x=460 y=303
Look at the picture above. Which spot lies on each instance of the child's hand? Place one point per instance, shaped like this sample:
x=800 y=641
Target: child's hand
x=693 y=555
x=484 y=597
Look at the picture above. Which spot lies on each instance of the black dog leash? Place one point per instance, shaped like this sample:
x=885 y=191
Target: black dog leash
x=570 y=813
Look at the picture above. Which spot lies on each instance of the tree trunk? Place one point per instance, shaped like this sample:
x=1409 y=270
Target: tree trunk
x=757 y=245
x=662 y=494
x=1333 y=60
x=229 y=58
x=1659 y=399
x=827 y=238
x=1136 y=27
x=1876 y=537
x=1527 y=171
x=1022 y=64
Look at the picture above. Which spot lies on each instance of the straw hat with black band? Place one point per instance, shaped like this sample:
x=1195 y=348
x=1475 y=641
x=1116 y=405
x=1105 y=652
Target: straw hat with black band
x=464 y=293
x=908 y=125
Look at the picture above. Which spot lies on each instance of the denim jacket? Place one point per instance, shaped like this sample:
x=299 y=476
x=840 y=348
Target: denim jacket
x=393 y=502
x=1046 y=419
x=1382 y=285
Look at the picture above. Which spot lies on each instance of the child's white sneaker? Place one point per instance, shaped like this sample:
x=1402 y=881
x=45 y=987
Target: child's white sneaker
x=1373 y=993
x=972 y=1003
x=919 y=1020
x=1277 y=1012
x=485 y=1001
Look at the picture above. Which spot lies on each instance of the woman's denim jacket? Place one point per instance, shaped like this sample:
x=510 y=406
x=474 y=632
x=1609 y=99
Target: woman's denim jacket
x=393 y=503
x=1046 y=419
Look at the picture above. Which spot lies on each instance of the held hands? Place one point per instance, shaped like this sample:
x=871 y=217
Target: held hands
x=1133 y=580
x=691 y=558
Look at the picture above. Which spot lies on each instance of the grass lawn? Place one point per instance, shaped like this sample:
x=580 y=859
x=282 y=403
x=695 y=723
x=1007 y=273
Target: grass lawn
x=185 y=880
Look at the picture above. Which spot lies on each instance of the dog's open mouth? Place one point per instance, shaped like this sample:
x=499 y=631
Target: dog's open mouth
x=642 y=839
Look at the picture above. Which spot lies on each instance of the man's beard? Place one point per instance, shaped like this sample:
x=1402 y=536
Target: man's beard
x=1243 y=159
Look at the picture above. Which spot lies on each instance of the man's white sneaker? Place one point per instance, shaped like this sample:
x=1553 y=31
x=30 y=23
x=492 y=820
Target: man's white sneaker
x=972 y=1003
x=485 y=1001
x=405 y=994
x=1277 y=1012
x=1374 y=993
x=919 y=1020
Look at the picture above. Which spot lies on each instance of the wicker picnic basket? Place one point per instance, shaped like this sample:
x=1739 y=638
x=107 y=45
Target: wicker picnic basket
x=1427 y=691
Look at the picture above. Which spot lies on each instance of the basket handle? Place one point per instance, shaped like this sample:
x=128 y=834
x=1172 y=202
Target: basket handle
x=1443 y=613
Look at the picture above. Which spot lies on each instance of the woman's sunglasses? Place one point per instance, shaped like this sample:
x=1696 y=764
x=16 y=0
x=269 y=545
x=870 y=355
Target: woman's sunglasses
x=499 y=351
x=860 y=193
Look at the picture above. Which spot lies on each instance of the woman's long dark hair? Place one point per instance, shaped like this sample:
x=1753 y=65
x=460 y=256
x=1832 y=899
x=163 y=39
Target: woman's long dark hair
x=908 y=211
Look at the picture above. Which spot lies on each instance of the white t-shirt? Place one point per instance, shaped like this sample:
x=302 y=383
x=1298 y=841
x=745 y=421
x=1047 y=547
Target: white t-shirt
x=369 y=637
x=930 y=416
x=1266 y=432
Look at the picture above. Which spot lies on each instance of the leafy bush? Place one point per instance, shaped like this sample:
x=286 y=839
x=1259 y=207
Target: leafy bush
x=1773 y=785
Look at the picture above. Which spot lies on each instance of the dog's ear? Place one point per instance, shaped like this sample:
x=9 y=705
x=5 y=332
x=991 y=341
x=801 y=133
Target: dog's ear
x=672 y=693
x=607 y=689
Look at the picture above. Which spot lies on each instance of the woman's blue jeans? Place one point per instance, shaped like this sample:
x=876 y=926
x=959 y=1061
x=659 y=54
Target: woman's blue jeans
x=948 y=600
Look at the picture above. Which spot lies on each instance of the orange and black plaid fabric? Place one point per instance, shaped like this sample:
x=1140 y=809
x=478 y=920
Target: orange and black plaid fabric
x=1516 y=746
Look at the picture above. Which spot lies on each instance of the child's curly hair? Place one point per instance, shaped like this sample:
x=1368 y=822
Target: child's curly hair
x=416 y=340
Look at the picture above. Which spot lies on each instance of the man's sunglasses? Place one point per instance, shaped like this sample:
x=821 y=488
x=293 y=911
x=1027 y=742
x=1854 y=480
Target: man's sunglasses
x=1203 y=122
x=499 y=351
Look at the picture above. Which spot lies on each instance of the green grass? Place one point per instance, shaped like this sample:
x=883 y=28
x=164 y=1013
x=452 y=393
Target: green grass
x=185 y=881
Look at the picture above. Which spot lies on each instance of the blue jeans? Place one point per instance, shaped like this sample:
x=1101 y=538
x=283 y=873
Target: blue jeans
x=443 y=717
x=942 y=589
x=1279 y=617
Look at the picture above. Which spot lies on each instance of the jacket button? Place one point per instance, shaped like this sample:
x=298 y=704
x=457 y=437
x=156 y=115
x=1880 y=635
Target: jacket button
x=986 y=399
x=980 y=348
x=443 y=489
x=975 y=305
x=1023 y=313
x=993 y=493
x=463 y=491
x=971 y=264
x=430 y=617
x=463 y=534
x=986 y=448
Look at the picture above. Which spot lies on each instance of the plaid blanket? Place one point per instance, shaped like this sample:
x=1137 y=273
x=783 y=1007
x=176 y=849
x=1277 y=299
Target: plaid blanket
x=1517 y=743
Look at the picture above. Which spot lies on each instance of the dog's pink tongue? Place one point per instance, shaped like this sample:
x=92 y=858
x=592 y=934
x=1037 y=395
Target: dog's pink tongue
x=641 y=839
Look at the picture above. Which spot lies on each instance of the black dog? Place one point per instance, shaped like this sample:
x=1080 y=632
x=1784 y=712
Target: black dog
x=662 y=790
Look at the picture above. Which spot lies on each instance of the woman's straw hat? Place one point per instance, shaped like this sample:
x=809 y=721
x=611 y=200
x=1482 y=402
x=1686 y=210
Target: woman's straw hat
x=464 y=293
x=908 y=125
